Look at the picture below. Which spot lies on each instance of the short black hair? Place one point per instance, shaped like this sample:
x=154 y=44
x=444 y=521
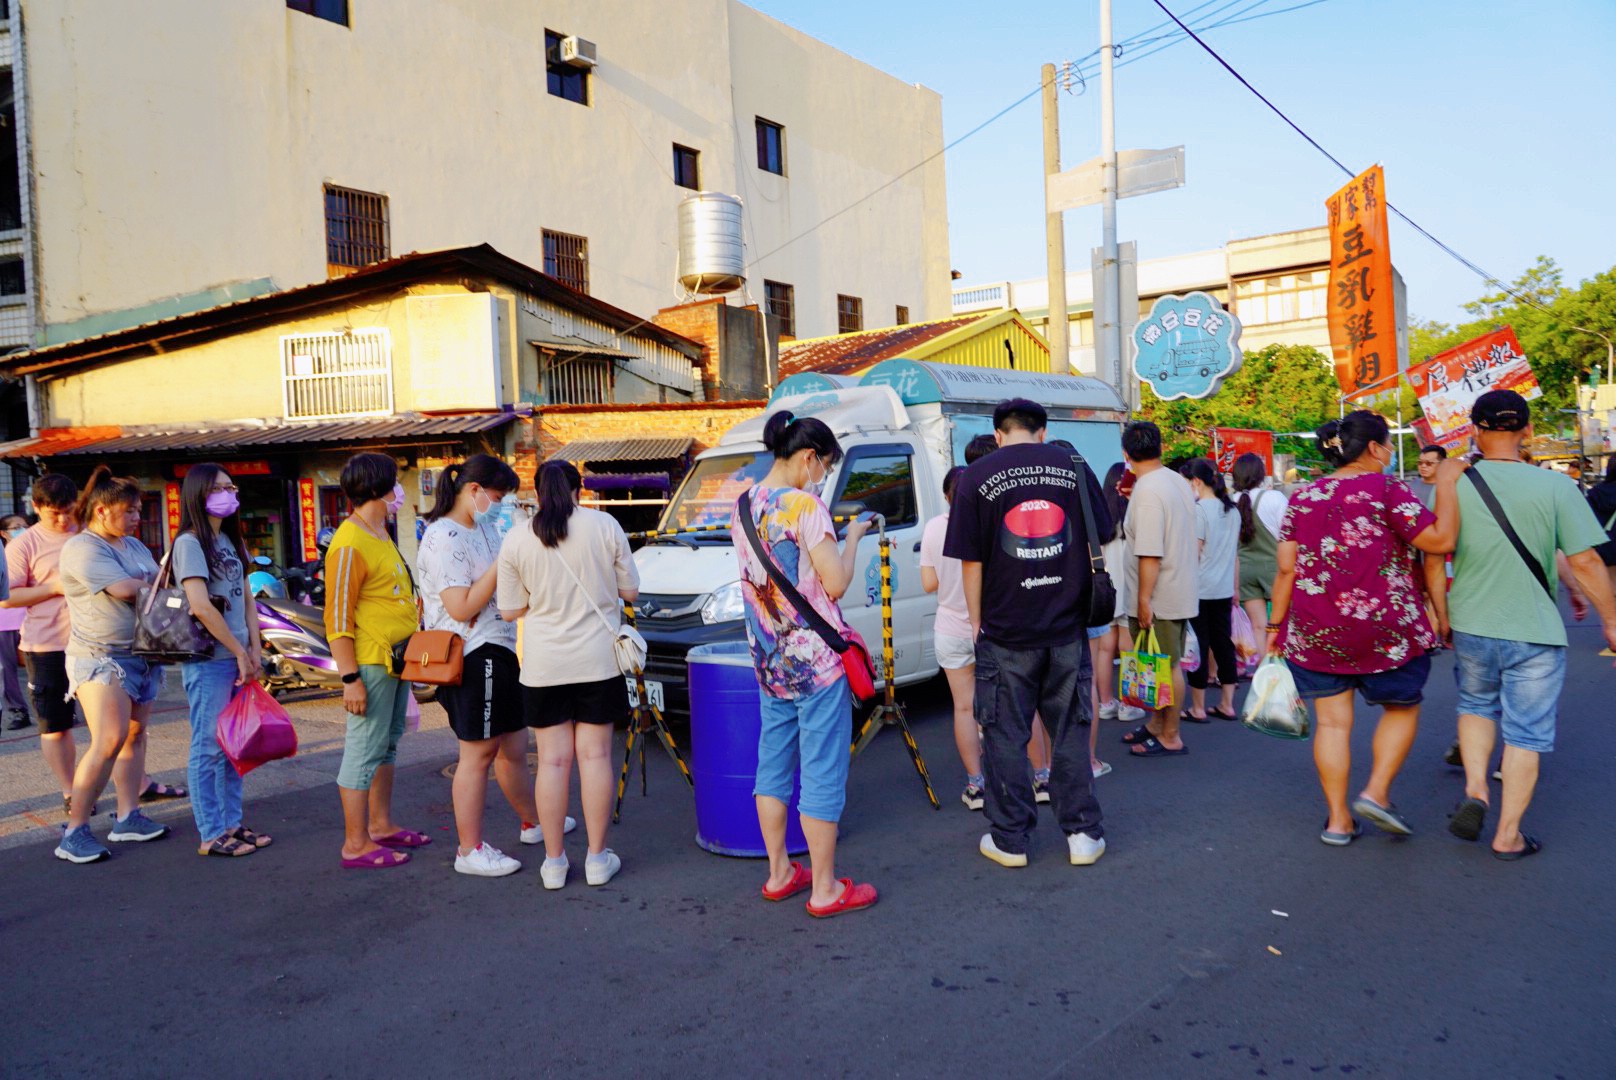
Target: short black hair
x=55 y=491
x=979 y=448
x=1141 y=441
x=951 y=479
x=1441 y=452
x=1014 y=413
x=368 y=476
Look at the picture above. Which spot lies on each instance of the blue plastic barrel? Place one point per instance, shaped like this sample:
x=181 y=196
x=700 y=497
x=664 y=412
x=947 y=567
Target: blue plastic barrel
x=724 y=723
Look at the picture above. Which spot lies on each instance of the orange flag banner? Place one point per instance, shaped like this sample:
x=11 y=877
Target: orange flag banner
x=1363 y=315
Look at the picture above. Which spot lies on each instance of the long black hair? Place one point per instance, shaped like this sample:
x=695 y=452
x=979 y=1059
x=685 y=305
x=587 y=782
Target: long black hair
x=194 y=515
x=1202 y=469
x=786 y=435
x=1348 y=439
x=557 y=483
x=104 y=489
x=1249 y=473
x=1115 y=504
x=484 y=470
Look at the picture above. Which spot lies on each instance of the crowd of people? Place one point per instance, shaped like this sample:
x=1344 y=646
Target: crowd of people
x=1044 y=574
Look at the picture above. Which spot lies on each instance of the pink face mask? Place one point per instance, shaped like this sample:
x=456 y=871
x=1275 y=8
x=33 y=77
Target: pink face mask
x=395 y=501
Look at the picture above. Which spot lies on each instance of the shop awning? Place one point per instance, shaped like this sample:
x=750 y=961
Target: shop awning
x=593 y=451
x=59 y=442
x=628 y=481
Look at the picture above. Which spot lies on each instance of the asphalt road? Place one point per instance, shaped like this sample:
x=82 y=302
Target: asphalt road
x=1399 y=958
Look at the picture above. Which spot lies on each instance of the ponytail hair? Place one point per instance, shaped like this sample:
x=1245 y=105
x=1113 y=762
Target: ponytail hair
x=786 y=435
x=557 y=483
x=1249 y=473
x=1348 y=439
x=104 y=489
x=484 y=470
x=1203 y=470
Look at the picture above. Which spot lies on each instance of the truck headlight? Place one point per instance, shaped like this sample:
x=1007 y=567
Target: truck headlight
x=723 y=605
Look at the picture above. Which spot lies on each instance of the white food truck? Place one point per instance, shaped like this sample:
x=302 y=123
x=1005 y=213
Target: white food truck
x=901 y=427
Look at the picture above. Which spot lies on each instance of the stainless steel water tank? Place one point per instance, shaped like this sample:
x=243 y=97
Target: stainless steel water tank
x=711 y=258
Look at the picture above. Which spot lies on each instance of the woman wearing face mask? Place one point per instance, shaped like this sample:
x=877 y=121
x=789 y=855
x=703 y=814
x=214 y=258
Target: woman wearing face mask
x=457 y=568
x=1349 y=616
x=1217 y=536
x=369 y=608
x=209 y=560
x=12 y=526
x=807 y=710
x=103 y=568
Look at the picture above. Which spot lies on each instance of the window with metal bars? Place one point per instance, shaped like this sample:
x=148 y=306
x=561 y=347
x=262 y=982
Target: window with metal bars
x=849 y=314
x=903 y=315
x=13 y=279
x=356 y=229
x=575 y=380
x=781 y=299
x=330 y=10
x=566 y=258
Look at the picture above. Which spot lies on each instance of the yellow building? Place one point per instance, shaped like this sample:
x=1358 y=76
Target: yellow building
x=995 y=339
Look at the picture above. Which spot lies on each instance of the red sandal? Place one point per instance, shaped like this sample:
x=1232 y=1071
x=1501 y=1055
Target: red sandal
x=801 y=878
x=853 y=898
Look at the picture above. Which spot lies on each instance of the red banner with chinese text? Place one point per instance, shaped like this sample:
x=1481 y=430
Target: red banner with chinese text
x=1449 y=383
x=1363 y=315
x=1229 y=443
x=171 y=507
x=308 y=524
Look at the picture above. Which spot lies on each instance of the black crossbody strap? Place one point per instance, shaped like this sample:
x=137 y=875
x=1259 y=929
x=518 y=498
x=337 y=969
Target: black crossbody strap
x=816 y=622
x=1096 y=551
x=1491 y=500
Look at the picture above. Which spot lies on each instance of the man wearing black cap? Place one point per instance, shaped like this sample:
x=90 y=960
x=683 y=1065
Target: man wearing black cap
x=1501 y=613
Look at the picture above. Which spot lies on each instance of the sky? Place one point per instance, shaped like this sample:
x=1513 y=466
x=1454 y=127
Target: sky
x=1495 y=122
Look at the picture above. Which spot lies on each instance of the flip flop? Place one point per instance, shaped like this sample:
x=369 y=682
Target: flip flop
x=853 y=898
x=1386 y=818
x=1102 y=769
x=1137 y=735
x=1532 y=848
x=404 y=838
x=162 y=791
x=1467 y=819
x=380 y=859
x=801 y=878
x=1192 y=718
x=1221 y=715
x=1152 y=747
x=1340 y=839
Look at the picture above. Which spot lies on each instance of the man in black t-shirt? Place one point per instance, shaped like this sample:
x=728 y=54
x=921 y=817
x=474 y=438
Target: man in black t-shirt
x=1017 y=526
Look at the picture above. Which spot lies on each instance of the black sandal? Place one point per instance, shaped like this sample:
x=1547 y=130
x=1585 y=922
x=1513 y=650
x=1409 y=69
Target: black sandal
x=162 y=791
x=227 y=846
x=1137 y=735
x=247 y=836
x=1532 y=848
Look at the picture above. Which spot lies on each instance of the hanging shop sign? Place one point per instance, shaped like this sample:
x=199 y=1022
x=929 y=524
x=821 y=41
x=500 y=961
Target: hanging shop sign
x=171 y=506
x=1187 y=347
x=1363 y=311
x=308 y=522
x=1229 y=443
x=1449 y=383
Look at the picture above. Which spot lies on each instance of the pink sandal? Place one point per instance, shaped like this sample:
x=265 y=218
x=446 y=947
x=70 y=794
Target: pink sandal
x=801 y=878
x=404 y=838
x=853 y=898
x=380 y=859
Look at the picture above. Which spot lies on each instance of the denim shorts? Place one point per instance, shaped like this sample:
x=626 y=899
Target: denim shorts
x=815 y=731
x=135 y=676
x=1515 y=684
x=1397 y=687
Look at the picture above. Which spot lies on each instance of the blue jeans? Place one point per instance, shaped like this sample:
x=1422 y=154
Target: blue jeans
x=1515 y=684
x=215 y=784
x=815 y=730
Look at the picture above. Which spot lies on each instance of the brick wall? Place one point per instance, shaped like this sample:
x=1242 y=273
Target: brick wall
x=734 y=352
x=554 y=426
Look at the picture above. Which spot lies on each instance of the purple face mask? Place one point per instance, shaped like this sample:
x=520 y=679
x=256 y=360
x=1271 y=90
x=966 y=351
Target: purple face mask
x=221 y=504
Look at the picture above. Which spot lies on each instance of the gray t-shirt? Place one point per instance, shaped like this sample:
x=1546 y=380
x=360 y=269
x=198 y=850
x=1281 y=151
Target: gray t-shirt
x=1424 y=492
x=101 y=625
x=189 y=562
x=1161 y=523
x=1218 y=529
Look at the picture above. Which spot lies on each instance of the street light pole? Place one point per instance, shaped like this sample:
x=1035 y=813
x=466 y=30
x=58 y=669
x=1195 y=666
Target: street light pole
x=1108 y=301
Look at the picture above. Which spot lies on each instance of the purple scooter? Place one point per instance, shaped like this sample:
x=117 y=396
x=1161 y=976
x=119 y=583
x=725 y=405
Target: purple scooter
x=296 y=654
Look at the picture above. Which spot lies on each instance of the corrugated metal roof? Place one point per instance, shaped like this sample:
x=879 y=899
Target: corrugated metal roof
x=849 y=353
x=592 y=450
x=74 y=441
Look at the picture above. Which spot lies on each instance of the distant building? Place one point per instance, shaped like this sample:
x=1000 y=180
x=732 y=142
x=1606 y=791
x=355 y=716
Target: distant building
x=995 y=339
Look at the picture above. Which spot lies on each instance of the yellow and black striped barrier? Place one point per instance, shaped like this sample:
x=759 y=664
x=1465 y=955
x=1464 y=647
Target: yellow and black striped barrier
x=638 y=734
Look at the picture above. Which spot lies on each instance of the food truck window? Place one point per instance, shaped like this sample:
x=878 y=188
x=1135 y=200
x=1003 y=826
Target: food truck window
x=883 y=479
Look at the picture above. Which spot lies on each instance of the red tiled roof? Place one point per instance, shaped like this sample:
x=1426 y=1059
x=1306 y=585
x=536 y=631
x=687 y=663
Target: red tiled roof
x=848 y=353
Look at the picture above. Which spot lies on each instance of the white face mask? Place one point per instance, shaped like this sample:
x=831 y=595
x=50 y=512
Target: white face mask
x=816 y=488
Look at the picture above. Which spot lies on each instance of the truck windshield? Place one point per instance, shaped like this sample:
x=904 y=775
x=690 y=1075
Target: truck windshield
x=707 y=496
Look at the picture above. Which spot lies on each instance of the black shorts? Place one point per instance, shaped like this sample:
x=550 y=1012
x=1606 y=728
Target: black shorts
x=47 y=686
x=603 y=702
x=488 y=701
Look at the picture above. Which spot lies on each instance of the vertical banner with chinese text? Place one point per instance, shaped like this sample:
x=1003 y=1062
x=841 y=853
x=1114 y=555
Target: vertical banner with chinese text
x=171 y=507
x=1363 y=316
x=306 y=518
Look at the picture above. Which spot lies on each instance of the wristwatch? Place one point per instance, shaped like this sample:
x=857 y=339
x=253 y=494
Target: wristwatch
x=351 y=677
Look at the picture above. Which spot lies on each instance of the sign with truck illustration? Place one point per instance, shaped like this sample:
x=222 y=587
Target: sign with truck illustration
x=1187 y=347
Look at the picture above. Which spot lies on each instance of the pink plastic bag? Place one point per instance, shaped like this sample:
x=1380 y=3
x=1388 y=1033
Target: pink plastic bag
x=254 y=728
x=412 y=708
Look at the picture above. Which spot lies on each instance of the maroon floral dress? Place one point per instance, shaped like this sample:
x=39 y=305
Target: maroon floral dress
x=1356 y=608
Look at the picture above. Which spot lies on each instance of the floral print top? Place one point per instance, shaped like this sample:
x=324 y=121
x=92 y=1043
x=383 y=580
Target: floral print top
x=1356 y=608
x=791 y=660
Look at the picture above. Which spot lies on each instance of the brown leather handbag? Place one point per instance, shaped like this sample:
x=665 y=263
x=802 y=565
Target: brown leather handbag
x=434 y=657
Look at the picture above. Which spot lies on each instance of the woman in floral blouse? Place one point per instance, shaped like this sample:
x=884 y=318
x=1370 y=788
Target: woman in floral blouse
x=1349 y=614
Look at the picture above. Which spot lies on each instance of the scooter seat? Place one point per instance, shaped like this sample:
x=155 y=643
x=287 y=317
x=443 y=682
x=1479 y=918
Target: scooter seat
x=309 y=618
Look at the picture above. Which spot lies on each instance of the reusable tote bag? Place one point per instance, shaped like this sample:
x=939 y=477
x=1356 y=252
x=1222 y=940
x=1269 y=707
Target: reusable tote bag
x=1147 y=674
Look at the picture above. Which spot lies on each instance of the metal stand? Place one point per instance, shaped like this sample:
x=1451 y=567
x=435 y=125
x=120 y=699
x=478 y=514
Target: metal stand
x=639 y=733
x=888 y=711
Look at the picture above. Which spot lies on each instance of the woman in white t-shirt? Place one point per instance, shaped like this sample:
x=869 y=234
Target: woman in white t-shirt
x=456 y=571
x=955 y=646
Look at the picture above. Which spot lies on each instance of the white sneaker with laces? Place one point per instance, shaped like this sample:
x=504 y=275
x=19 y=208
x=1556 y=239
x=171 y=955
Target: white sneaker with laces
x=1083 y=849
x=1003 y=858
x=486 y=861
x=553 y=872
x=1130 y=714
x=599 y=869
x=1108 y=710
x=535 y=834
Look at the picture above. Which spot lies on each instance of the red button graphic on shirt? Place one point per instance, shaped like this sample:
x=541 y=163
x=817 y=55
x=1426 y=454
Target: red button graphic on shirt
x=1035 y=529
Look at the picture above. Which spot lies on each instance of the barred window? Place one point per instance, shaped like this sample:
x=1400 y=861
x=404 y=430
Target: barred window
x=782 y=304
x=570 y=380
x=849 y=314
x=356 y=229
x=566 y=258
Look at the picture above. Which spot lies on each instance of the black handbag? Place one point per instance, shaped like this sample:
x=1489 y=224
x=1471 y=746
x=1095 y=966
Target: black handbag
x=1102 y=592
x=165 y=630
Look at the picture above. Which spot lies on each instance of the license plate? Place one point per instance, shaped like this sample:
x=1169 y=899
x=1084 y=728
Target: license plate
x=653 y=690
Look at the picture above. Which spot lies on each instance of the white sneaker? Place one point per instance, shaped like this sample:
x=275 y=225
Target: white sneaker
x=1083 y=849
x=553 y=872
x=599 y=869
x=535 y=835
x=1003 y=858
x=1108 y=710
x=486 y=861
x=1130 y=714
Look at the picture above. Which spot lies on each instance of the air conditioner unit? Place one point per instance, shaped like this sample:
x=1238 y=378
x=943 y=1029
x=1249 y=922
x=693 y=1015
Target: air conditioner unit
x=576 y=52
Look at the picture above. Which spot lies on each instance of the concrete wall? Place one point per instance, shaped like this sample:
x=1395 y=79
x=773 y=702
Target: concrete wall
x=180 y=147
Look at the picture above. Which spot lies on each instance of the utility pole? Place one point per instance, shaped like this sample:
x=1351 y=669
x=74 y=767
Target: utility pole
x=1055 y=233
x=1107 y=299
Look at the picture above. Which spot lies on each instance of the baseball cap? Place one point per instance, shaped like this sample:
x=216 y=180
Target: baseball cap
x=1500 y=410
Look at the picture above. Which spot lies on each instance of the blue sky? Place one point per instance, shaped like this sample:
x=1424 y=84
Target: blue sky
x=1496 y=123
